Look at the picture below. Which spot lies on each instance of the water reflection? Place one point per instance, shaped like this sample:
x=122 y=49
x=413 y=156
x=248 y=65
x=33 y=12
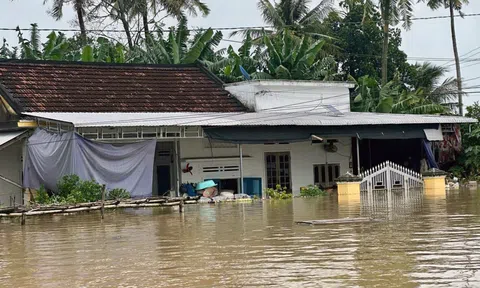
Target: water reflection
x=423 y=240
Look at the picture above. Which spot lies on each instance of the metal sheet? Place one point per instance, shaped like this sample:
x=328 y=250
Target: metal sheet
x=433 y=134
x=244 y=119
x=7 y=137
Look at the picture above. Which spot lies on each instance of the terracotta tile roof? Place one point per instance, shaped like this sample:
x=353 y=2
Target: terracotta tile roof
x=97 y=87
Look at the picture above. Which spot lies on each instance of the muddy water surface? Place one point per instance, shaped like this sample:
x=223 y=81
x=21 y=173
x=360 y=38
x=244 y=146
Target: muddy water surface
x=423 y=242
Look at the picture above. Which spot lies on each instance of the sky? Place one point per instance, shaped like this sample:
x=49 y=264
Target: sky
x=426 y=38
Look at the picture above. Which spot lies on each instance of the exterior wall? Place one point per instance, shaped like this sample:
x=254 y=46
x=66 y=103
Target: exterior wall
x=303 y=156
x=306 y=95
x=11 y=168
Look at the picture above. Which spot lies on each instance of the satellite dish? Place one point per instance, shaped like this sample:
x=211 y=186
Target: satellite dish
x=244 y=73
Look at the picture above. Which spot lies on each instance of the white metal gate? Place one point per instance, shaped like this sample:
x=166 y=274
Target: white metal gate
x=390 y=176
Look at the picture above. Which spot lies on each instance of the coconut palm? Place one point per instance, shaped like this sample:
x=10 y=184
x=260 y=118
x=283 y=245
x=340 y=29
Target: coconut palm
x=426 y=79
x=294 y=15
x=452 y=6
x=392 y=12
x=79 y=5
x=175 y=8
x=422 y=92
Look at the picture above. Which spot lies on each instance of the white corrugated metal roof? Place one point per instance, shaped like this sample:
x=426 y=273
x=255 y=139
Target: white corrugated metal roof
x=244 y=119
x=6 y=137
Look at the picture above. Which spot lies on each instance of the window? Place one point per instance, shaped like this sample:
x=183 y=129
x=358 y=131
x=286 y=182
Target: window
x=324 y=175
x=278 y=169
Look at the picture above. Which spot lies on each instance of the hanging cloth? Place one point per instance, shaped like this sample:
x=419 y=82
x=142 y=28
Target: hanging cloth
x=429 y=153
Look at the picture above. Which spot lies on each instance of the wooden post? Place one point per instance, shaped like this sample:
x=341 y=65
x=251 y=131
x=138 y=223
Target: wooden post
x=180 y=206
x=23 y=219
x=102 y=210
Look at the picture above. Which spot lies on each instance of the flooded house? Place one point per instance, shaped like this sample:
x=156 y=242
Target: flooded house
x=245 y=136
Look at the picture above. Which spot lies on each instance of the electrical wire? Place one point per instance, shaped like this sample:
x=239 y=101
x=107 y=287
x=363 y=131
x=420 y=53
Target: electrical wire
x=230 y=28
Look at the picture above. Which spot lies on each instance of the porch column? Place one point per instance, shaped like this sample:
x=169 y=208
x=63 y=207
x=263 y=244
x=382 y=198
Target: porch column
x=358 y=155
x=177 y=167
x=348 y=187
x=434 y=183
x=240 y=152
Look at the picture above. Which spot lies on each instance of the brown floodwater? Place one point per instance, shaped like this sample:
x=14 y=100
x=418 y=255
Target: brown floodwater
x=419 y=242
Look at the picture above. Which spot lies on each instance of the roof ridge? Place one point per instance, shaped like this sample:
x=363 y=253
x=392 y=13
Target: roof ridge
x=95 y=64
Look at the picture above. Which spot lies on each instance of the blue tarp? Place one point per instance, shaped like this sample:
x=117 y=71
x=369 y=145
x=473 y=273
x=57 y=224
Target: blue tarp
x=429 y=153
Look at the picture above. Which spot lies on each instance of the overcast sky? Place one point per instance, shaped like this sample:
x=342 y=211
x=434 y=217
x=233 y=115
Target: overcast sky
x=427 y=38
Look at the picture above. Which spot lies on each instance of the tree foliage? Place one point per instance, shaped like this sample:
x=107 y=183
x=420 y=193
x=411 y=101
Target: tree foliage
x=176 y=47
x=293 y=15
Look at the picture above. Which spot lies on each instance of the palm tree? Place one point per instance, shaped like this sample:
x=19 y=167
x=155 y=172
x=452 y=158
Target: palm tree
x=452 y=6
x=294 y=15
x=426 y=79
x=79 y=6
x=392 y=12
x=175 y=8
x=423 y=92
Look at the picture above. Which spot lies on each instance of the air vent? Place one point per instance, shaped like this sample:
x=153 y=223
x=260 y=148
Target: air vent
x=216 y=169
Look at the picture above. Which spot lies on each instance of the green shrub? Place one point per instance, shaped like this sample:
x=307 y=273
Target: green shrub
x=312 y=190
x=66 y=185
x=42 y=196
x=278 y=193
x=118 y=193
x=87 y=191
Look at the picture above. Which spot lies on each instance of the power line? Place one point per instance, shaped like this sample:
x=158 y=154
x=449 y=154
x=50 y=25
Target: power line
x=463 y=55
x=214 y=28
x=471 y=79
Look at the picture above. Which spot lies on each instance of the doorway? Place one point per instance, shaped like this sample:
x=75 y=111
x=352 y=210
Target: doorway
x=163 y=179
x=278 y=169
x=164 y=173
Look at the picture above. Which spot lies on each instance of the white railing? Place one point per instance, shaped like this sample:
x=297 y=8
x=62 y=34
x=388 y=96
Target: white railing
x=390 y=176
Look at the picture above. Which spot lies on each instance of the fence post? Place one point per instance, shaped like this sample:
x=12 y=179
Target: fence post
x=102 y=209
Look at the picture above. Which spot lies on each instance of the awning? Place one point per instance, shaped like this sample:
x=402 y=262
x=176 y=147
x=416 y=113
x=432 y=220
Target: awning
x=7 y=138
x=256 y=135
x=433 y=134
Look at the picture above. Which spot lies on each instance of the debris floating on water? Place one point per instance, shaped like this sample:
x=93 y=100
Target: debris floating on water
x=337 y=221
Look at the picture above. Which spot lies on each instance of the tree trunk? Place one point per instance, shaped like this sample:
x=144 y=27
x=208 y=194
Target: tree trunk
x=81 y=23
x=385 y=52
x=145 y=26
x=126 y=27
x=457 y=60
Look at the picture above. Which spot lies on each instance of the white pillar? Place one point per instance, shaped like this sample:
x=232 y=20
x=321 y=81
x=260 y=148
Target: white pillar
x=358 y=156
x=177 y=167
x=240 y=152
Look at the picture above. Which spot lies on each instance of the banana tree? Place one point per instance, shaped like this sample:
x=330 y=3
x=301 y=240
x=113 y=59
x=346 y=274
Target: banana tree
x=6 y=52
x=392 y=97
x=229 y=68
x=177 y=48
x=55 y=48
x=290 y=59
x=103 y=50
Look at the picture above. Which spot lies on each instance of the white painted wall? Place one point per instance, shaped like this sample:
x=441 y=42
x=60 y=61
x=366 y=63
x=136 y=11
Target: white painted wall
x=303 y=156
x=292 y=95
x=11 y=168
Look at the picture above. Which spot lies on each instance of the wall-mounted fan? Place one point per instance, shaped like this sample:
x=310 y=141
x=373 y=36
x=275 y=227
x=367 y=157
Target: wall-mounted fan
x=330 y=147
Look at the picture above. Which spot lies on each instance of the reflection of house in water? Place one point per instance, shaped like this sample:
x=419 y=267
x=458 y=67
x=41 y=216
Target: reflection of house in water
x=245 y=136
